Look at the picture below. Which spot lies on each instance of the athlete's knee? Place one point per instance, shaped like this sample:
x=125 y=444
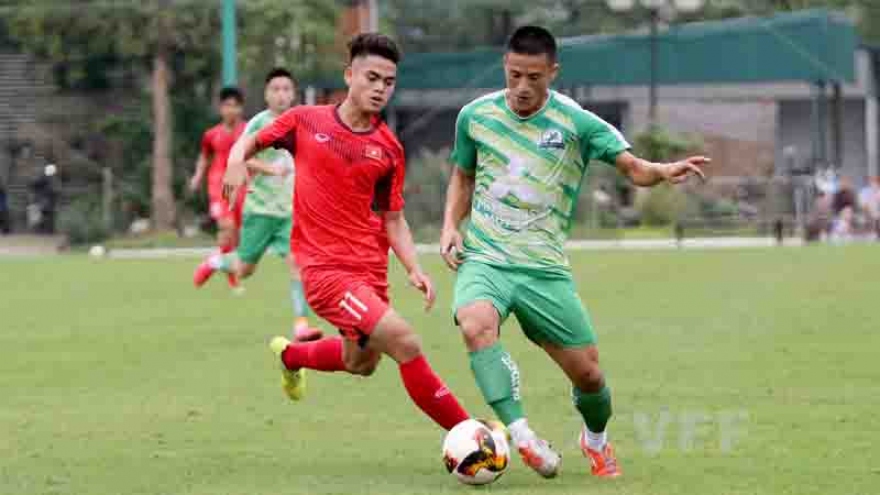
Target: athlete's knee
x=246 y=270
x=402 y=344
x=361 y=362
x=406 y=347
x=363 y=368
x=479 y=325
x=395 y=337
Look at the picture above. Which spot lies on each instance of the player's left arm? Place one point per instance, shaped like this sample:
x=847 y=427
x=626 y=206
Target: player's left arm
x=250 y=144
x=646 y=174
x=259 y=166
x=599 y=140
x=390 y=201
x=401 y=240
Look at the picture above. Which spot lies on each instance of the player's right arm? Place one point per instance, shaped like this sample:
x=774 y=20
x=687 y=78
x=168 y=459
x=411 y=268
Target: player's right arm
x=260 y=167
x=459 y=193
x=278 y=134
x=201 y=164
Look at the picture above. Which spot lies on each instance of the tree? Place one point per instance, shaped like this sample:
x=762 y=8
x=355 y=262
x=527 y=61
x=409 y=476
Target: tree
x=146 y=34
x=177 y=44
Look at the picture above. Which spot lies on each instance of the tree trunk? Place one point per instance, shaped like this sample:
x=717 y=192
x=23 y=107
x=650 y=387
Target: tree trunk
x=163 y=194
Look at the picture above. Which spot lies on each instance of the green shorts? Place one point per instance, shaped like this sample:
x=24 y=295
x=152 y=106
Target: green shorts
x=260 y=233
x=546 y=305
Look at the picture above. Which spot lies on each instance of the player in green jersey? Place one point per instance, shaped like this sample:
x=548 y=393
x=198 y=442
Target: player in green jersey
x=520 y=156
x=268 y=207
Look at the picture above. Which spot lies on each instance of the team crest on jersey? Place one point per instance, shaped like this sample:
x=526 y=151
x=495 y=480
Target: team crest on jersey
x=373 y=152
x=553 y=139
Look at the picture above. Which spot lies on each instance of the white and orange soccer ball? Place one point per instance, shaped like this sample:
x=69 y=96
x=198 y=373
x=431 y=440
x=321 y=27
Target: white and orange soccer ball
x=477 y=452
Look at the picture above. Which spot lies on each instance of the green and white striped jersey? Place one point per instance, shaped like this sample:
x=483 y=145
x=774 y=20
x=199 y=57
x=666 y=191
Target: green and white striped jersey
x=528 y=176
x=267 y=194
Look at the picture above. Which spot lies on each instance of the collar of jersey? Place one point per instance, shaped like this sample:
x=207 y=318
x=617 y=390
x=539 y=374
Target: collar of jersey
x=532 y=116
x=374 y=122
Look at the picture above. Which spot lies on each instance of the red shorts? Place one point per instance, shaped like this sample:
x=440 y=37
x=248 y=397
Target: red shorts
x=353 y=302
x=218 y=206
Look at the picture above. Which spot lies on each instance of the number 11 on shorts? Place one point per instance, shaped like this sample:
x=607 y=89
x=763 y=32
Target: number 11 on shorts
x=353 y=305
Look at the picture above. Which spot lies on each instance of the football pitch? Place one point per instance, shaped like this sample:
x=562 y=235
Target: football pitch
x=733 y=372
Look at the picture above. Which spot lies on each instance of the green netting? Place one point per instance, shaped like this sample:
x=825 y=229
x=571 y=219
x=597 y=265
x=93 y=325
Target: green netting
x=803 y=46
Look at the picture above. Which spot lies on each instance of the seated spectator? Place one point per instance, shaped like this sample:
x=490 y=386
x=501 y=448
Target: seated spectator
x=843 y=227
x=869 y=204
x=845 y=197
x=819 y=220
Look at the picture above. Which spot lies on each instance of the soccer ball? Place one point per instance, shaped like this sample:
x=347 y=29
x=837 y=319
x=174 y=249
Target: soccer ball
x=97 y=251
x=476 y=451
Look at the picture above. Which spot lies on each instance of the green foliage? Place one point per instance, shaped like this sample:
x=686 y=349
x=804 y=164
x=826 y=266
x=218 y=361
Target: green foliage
x=661 y=205
x=82 y=223
x=659 y=144
x=87 y=40
x=296 y=34
x=426 y=179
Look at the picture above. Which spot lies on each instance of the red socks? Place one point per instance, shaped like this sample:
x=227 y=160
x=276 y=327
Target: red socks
x=321 y=355
x=423 y=385
x=430 y=394
x=231 y=279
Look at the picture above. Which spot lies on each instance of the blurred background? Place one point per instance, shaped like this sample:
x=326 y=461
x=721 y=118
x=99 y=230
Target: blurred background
x=103 y=104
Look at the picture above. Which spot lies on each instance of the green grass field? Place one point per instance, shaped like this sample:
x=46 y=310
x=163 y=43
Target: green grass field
x=116 y=377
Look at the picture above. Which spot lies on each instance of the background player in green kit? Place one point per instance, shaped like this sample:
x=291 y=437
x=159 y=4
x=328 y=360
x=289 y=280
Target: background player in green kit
x=520 y=156
x=268 y=207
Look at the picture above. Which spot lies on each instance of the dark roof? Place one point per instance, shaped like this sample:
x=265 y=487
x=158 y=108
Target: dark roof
x=808 y=45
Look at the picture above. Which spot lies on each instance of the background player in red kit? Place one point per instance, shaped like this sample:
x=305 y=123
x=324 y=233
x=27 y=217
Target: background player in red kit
x=216 y=143
x=349 y=162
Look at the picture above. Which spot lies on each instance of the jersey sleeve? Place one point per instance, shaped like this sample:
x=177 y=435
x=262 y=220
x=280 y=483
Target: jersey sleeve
x=281 y=133
x=599 y=140
x=206 y=147
x=389 y=190
x=255 y=124
x=464 y=151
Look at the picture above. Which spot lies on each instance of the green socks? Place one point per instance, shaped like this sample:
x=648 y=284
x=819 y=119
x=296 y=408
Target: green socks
x=594 y=407
x=498 y=378
x=298 y=298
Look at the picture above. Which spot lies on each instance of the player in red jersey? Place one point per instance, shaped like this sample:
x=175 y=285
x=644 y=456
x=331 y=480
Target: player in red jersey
x=347 y=162
x=216 y=143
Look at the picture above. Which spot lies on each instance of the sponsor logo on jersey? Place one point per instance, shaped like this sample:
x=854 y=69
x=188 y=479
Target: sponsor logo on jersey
x=321 y=137
x=552 y=139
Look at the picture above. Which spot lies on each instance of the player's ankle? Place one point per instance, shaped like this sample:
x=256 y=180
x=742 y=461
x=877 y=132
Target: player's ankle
x=595 y=441
x=520 y=431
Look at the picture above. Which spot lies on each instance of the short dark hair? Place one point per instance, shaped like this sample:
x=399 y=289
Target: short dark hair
x=280 y=72
x=233 y=93
x=376 y=44
x=532 y=40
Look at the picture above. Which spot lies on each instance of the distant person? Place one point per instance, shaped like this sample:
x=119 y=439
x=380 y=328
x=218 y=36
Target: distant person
x=869 y=203
x=843 y=227
x=819 y=220
x=216 y=143
x=5 y=228
x=844 y=197
x=268 y=206
x=45 y=199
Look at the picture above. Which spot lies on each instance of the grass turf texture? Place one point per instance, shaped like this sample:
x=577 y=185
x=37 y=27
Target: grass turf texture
x=118 y=377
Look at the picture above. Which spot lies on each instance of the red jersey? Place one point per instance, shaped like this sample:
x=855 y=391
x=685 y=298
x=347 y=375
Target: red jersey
x=341 y=175
x=216 y=142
